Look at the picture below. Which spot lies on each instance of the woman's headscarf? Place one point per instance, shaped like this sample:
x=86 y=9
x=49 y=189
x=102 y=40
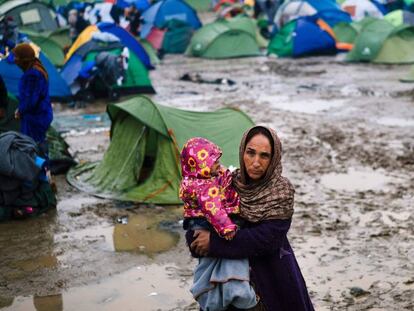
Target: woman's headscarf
x=25 y=58
x=272 y=196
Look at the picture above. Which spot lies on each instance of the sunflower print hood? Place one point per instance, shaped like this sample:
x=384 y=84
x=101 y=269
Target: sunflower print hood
x=198 y=157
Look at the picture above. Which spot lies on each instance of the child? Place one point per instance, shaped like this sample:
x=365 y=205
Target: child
x=209 y=203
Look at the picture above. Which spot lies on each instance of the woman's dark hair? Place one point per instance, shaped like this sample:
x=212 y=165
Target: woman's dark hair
x=263 y=131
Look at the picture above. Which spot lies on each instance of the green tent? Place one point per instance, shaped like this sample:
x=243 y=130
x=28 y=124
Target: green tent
x=152 y=53
x=60 y=36
x=51 y=43
x=348 y=32
x=199 y=5
x=379 y=41
x=136 y=78
x=177 y=37
x=409 y=78
x=400 y=17
x=235 y=37
x=345 y=32
x=142 y=161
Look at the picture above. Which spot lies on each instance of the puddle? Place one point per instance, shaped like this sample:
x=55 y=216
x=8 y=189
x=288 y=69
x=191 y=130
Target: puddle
x=356 y=180
x=101 y=233
x=142 y=233
x=142 y=288
x=311 y=106
x=79 y=123
x=27 y=246
x=33 y=264
x=397 y=122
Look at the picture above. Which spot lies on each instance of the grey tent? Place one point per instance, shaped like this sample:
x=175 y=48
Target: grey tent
x=36 y=16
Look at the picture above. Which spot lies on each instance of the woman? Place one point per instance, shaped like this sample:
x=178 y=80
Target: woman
x=267 y=206
x=35 y=109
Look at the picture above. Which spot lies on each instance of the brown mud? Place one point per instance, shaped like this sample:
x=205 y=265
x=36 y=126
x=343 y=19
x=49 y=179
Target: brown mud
x=348 y=138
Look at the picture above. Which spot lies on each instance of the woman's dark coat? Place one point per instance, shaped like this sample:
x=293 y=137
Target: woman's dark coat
x=275 y=272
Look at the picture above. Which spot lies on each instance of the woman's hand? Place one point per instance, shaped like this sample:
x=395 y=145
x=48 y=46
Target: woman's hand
x=202 y=242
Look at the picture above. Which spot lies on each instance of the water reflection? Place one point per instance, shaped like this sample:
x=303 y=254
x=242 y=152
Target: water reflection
x=143 y=233
x=27 y=252
x=152 y=287
x=35 y=263
x=27 y=246
x=48 y=303
x=6 y=301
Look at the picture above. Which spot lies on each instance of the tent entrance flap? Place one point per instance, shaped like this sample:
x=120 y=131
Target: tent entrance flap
x=126 y=152
x=149 y=156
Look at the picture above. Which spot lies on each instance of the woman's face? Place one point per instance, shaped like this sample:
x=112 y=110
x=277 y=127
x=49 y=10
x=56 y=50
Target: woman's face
x=257 y=156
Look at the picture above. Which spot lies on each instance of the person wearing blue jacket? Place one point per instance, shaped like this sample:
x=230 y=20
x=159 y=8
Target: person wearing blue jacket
x=35 y=109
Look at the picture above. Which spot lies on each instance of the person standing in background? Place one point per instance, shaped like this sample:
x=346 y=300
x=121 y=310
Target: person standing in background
x=35 y=109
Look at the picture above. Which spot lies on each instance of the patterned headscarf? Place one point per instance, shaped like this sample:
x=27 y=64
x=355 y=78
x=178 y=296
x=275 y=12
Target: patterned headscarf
x=25 y=58
x=198 y=156
x=272 y=196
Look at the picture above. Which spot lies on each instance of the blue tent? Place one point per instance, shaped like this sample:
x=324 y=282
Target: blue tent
x=301 y=37
x=141 y=5
x=73 y=65
x=58 y=88
x=322 y=5
x=311 y=39
x=136 y=79
x=328 y=10
x=127 y=40
x=163 y=11
x=333 y=17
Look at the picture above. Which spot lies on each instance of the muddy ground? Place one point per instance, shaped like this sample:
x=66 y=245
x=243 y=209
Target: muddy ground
x=348 y=137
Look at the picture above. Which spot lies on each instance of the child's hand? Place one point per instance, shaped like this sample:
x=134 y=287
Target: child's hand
x=229 y=236
x=17 y=114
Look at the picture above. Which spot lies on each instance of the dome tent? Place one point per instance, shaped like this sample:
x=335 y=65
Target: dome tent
x=163 y=11
x=199 y=5
x=400 y=17
x=328 y=10
x=86 y=48
x=173 y=37
x=379 y=41
x=358 y=9
x=219 y=39
x=39 y=21
x=51 y=43
x=142 y=161
x=34 y=15
x=58 y=90
x=303 y=36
